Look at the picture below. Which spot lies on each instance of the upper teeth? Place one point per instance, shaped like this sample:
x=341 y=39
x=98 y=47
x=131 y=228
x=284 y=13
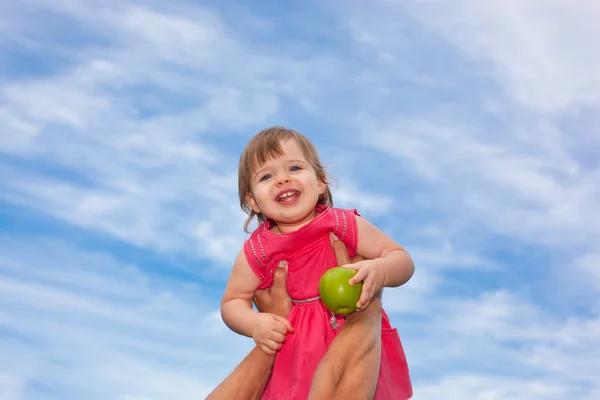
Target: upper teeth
x=286 y=194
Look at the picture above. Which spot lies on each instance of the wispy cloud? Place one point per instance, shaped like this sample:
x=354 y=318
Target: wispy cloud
x=466 y=131
x=79 y=324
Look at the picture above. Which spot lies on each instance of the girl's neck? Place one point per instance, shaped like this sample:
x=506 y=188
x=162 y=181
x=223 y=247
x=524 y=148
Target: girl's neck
x=281 y=228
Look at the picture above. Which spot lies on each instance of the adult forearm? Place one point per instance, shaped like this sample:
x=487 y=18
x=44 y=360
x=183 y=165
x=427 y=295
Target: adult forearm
x=248 y=380
x=398 y=268
x=239 y=316
x=350 y=368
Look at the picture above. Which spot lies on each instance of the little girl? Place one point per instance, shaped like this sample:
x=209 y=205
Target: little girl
x=282 y=183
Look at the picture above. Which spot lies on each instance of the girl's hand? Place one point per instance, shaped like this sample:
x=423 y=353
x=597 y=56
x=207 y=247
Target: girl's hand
x=371 y=273
x=269 y=332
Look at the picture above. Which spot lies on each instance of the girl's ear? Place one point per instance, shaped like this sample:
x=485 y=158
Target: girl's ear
x=322 y=186
x=252 y=202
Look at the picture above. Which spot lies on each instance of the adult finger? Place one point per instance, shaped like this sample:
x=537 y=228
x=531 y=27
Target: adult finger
x=280 y=277
x=333 y=238
x=357 y=258
x=340 y=250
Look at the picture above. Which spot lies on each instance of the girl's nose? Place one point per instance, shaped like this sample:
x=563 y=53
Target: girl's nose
x=283 y=180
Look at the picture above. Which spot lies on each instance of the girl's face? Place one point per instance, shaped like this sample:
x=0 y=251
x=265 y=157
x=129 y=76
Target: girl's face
x=286 y=189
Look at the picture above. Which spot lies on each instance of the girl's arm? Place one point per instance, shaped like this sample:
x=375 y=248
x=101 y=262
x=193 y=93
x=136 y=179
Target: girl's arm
x=267 y=330
x=236 y=306
x=392 y=260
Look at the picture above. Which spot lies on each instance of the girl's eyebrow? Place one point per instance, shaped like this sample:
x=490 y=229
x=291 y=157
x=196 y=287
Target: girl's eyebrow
x=258 y=172
x=298 y=161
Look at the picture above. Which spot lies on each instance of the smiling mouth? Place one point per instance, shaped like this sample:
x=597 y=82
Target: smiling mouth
x=288 y=197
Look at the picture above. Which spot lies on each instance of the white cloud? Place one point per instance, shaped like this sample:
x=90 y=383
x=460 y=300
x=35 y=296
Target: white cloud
x=434 y=266
x=91 y=327
x=589 y=265
x=538 y=53
x=500 y=345
x=351 y=197
x=11 y=387
x=492 y=387
x=475 y=146
x=147 y=179
x=538 y=49
x=513 y=187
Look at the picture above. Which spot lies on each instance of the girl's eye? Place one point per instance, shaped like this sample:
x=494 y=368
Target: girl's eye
x=295 y=168
x=265 y=177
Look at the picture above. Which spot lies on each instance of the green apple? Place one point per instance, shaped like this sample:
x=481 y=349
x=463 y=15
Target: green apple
x=336 y=293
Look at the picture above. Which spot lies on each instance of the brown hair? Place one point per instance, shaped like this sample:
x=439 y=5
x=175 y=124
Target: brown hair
x=264 y=146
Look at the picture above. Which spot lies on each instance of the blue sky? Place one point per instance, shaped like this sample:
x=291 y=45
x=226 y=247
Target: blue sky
x=468 y=131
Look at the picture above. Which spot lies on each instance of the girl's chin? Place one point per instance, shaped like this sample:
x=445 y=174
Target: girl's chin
x=296 y=218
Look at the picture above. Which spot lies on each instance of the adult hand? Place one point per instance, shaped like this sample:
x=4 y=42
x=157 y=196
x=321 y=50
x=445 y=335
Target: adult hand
x=248 y=380
x=343 y=259
x=350 y=368
x=341 y=252
x=275 y=300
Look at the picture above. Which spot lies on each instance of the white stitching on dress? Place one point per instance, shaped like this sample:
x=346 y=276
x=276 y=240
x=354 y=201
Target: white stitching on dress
x=337 y=222
x=254 y=252
x=261 y=247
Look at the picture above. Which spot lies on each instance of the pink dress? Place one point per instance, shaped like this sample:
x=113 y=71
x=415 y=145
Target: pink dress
x=309 y=254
